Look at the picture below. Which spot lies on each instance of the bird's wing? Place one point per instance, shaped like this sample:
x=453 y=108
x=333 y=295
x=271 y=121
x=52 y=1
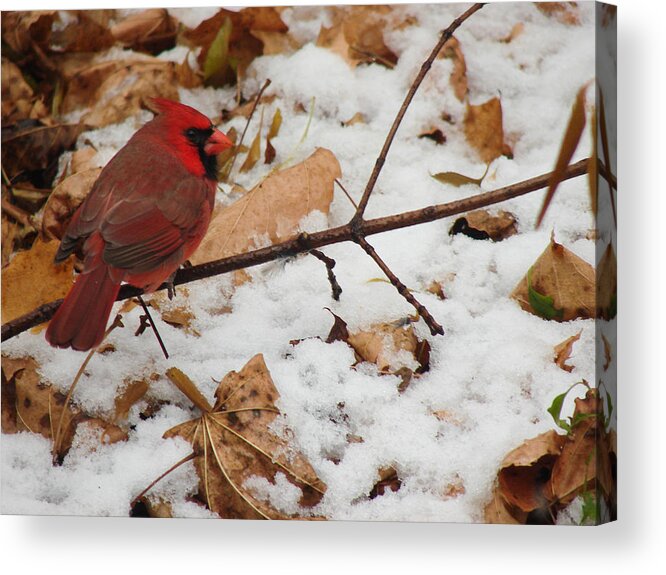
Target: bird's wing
x=142 y=232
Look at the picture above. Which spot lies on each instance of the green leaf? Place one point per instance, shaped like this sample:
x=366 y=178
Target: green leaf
x=218 y=63
x=555 y=411
x=590 y=508
x=541 y=304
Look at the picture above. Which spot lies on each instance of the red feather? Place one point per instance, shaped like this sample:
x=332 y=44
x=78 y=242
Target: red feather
x=146 y=214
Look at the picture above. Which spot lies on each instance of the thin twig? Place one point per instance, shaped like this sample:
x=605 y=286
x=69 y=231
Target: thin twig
x=17 y=214
x=247 y=124
x=154 y=327
x=57 y=439
x=316 y=240
x=435 y=328
x=330 y=264
x=153 y=483
x=444 y=37
x=346 y=193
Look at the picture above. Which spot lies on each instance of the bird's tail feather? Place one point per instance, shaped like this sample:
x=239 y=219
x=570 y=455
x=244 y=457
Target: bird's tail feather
x=81 y=319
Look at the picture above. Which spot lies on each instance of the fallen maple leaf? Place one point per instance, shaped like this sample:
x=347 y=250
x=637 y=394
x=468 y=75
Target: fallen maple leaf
x=272 y=209
x=559 y=285
x=233 y=442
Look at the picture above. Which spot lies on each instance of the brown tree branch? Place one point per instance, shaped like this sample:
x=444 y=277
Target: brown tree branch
x=444 y=37
x=306 y=242
x=435 y=328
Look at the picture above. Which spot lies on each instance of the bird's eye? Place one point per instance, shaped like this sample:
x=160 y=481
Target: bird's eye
x=191 y=133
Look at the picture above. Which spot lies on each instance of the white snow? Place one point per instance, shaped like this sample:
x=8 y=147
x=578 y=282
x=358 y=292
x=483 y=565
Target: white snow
x=493 y=369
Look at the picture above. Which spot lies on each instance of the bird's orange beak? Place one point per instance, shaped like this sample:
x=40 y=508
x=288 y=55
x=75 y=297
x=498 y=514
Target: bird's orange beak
x=217 y=143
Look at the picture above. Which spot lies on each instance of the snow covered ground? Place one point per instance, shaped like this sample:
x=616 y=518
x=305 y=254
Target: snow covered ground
x=493 y=370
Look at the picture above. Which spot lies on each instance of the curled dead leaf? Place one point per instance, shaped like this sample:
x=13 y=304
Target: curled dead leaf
x=559 y=285
x=482 y=225
x=563 y=351
x=524 y=472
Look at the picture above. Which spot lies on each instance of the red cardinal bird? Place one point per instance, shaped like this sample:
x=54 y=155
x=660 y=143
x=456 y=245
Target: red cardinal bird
x=146 y=214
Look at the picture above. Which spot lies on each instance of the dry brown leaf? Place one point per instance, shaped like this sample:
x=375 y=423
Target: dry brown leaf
x=87 y=31
x=82 y=159
x=572 y=135
x=247 y=26
x=388 y=480
x=484 y=129
x=563 y=351
x=187 y=77
x=458 y=78
x=516 y=31
x=448 y=416
x=524 y=472
x=454 y=488
x=584 y=460
x=276 y=42
x=561 y=275
x=498 y=511
x=36 y=147
x=357 y=35
x=22 y=30
x=152 y=30
x=482 y=225
x=608 y=352
x=32 y=279
x=10 y=234
x=607 y=284
x=131 y=394
x=564 y=12
x=272 y=209
x=234 y=442
x=357 y=118
x=30 y=404
x=123 y=93
x=66 y=197
x=380 y=343
x=18 y=101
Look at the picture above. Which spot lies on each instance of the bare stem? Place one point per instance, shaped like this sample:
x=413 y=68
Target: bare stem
x=247 y=124
x=336 y=290
x=444 y=37
x=57 y=439
x=154 y=327
x=435 y=328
